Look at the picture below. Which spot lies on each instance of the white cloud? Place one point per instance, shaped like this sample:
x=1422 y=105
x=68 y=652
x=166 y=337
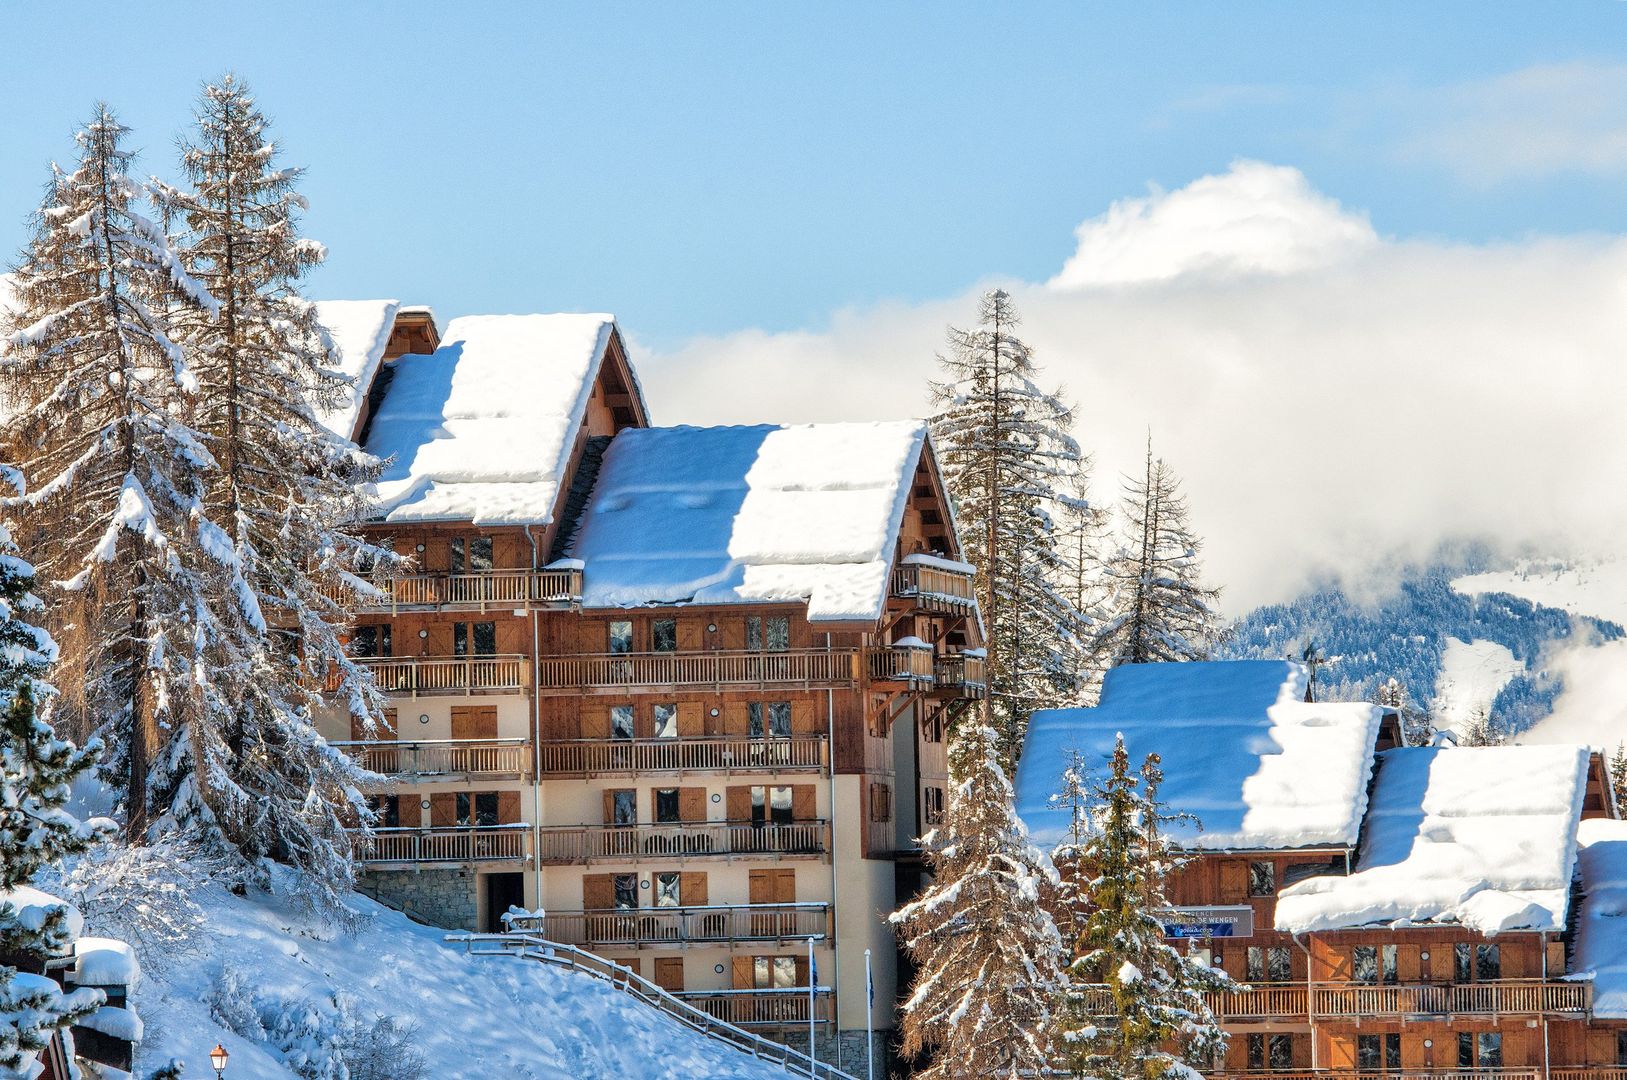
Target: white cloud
x=1536 y=121
x=1256 y=218
x=1593 y=708
x=1349 y=397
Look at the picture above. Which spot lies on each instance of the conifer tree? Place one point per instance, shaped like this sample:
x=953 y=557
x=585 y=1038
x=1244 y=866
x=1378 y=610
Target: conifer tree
x=1416 y=728
x=1006 y=455
x=986 y=951
x=1159 y=1020
x=36 y=769
x=1158 y=610
x=98 y=390
x=1618 y=773
x=1080 y=526
x=289 y=495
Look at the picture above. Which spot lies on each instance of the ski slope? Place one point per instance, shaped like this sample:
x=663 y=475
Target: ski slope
x=1471 y=676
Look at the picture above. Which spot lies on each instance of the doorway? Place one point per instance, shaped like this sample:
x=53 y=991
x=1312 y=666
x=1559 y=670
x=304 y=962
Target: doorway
x=503 y=891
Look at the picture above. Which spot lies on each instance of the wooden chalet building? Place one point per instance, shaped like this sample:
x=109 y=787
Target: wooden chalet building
x=1416 y=911
x=680 y=693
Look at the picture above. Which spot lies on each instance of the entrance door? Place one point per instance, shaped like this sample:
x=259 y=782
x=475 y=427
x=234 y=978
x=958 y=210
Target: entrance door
x=503 y=891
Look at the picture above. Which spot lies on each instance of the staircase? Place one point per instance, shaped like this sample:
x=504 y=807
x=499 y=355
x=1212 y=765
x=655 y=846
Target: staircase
x=531 y=947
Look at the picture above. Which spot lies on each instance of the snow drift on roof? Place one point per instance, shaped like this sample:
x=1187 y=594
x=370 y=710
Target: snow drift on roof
x=481 y=430
x=1601 y=925
x=34 y=906
x=361 y=331
x=1241 y=750
x=1482 y=836
x=738 y=514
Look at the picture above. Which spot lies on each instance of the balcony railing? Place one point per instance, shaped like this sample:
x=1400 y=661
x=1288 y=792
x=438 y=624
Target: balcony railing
x=586 y=843
x=413 y=676
x=961 y=675
x=435 y=758
x=934 y=588
x=683 y=925
x=481 y=590
x=1494 y=998
x=1254 y=1003
x=901 y=663
x=1529 y=1072
x=1588 y=1072
x=786 y=1007
x=808 y=668
x=601 y=757
x=450 y=844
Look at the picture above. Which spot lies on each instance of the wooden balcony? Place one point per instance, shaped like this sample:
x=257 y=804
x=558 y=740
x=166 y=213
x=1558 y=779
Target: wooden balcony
x=1588 y=1072
x=681 y=754
x=440 y=759
x=783 y=1008
x=911 y=664
x=416 y=676
x=564 y=844
x=453 y=845
x=934 y=588
x=618 y=673
x=1262 y=1002
x=720 y=925
x=959 y=675
x=1527 y=1072
x=1503 y=997
x=487 y=589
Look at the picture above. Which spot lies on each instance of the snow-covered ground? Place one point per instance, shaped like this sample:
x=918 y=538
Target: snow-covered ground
x=1585 y=587
x=475 y=1017
x=1472 y=673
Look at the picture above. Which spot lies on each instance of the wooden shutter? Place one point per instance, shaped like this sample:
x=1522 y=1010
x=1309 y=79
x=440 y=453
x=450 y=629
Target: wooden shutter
x=691 y=804
x=689 y=719
x=803 y=719
x=438 y=643
x=508 y=808
x=802 y=970
x=1442 y=967
x=1341 y=1051
x=598 y=891
x=1233 y=881
x=760 y=887
x=511 y=636
x=436 y=556
x=669 y=973
x=742 y=973
x=474 y=721
x=509 y=551
x=736 y=719
x=1337 y=960
x=737 y=803
x=804 y=801
x=1556 y=959
x=1408 y=966
x=596 y=722
x=1520 y=960
x=1413 y=1058
x=733 y=633
x=443 y=809
x=692 y=889
x=785 y=886
x=633 y=964
x=689 y=634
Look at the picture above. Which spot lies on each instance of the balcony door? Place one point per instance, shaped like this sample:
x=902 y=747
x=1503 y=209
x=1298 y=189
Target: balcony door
x=772 y=887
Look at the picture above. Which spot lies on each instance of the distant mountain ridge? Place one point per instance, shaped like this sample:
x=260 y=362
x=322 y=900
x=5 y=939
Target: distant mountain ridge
x=1408 y=635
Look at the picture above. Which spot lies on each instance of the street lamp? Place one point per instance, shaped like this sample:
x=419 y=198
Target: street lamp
x=217 y=1058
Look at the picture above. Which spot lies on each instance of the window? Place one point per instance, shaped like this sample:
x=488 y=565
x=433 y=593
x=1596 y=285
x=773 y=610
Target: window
x=1462 y=965
x=1373 y=964
x=1256 y=1052
x=666 y=721
x=772 y=633
x=479 y=808
x=621 y=721
x=471 y=555
x=1386 y=957
x=666 y=890
x=1465 y=1050
x=1392 y=1050
x=664 y=635
x=881 y=803
x=771 y=804
x=1376 y=1053
x=626 y=891
x=1262 y=879
x=370 y=641
x=483 y=635
x=619 y=637
x=778 y=725
x=388 y=809
x=624 y=807
x=1489 y=1050
x=1270 y=1051
x=1269 y=964
x=1476 y=963
x=1621 y=1048
x=774 y=972
x=666 y=806
x=932 y=805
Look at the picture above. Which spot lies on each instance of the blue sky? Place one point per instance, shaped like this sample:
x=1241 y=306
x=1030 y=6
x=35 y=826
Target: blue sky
x=704 y=168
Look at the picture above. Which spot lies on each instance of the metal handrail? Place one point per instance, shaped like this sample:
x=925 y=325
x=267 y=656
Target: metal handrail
x=532 y=947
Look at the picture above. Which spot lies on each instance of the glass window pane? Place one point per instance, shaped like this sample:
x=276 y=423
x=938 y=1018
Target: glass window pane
x=1281 y=967
x=759 y=805
x=762 y=973
x=754 y=711
x=620 y=637
x=485 y=639
x=779 y=804
x=1256 y=964
x=1488 y=962
x=626 y=808
x=1621 y=1048
x=1465 y=1050
x=486 y=808
x=664 y=635
x=626 y=891
x=459 y=563
x=1392 y=1051
x=666 y=890
x=1256 y=1051
x=779 y=719
x=1262 y=879
x=480 y=553
x=778 y=633
x=754 y=632
x=1368 y=1053
x=1460 y=963
x=1364 y=964
x=460 y=639
x=1387 y=957
x=1490 y=1050
x=785 y=972
x=621 y=721
x=463 y=807
x=666 y=721
x=1282 y=1051
x=666 y=805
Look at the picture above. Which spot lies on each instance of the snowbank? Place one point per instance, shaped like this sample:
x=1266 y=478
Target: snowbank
x=99 y=961
x=361 y=331
x=481 y=430
x=1482 y=836
x=1472 y=674
x=1241 y=749
x=1601 y=924
x=725 y=515
x=476 y=1017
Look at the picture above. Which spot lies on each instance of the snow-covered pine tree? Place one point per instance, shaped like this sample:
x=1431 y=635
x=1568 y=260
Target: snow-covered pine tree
x=1157 y=608
x=1079 y=542
x=36 y=769
x=1160 y=1022
x=1618 y=773
x=1416 y=727
x=986 y=951
x=1007 y=456
x=289 y=494
x=1482 y=729
x=97 y=388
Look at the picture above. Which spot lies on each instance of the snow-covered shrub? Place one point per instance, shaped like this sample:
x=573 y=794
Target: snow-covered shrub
x=231 y=1002
x=384 y=1050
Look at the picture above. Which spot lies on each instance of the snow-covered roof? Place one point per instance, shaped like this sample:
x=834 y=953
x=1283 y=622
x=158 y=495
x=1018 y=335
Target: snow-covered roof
x=1601 y=924
x=34 y=906
x=1481 y=836
x=481 y=430
x=725 y=515
x=360 y=329
x=1259 y=767
x=99 y=961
